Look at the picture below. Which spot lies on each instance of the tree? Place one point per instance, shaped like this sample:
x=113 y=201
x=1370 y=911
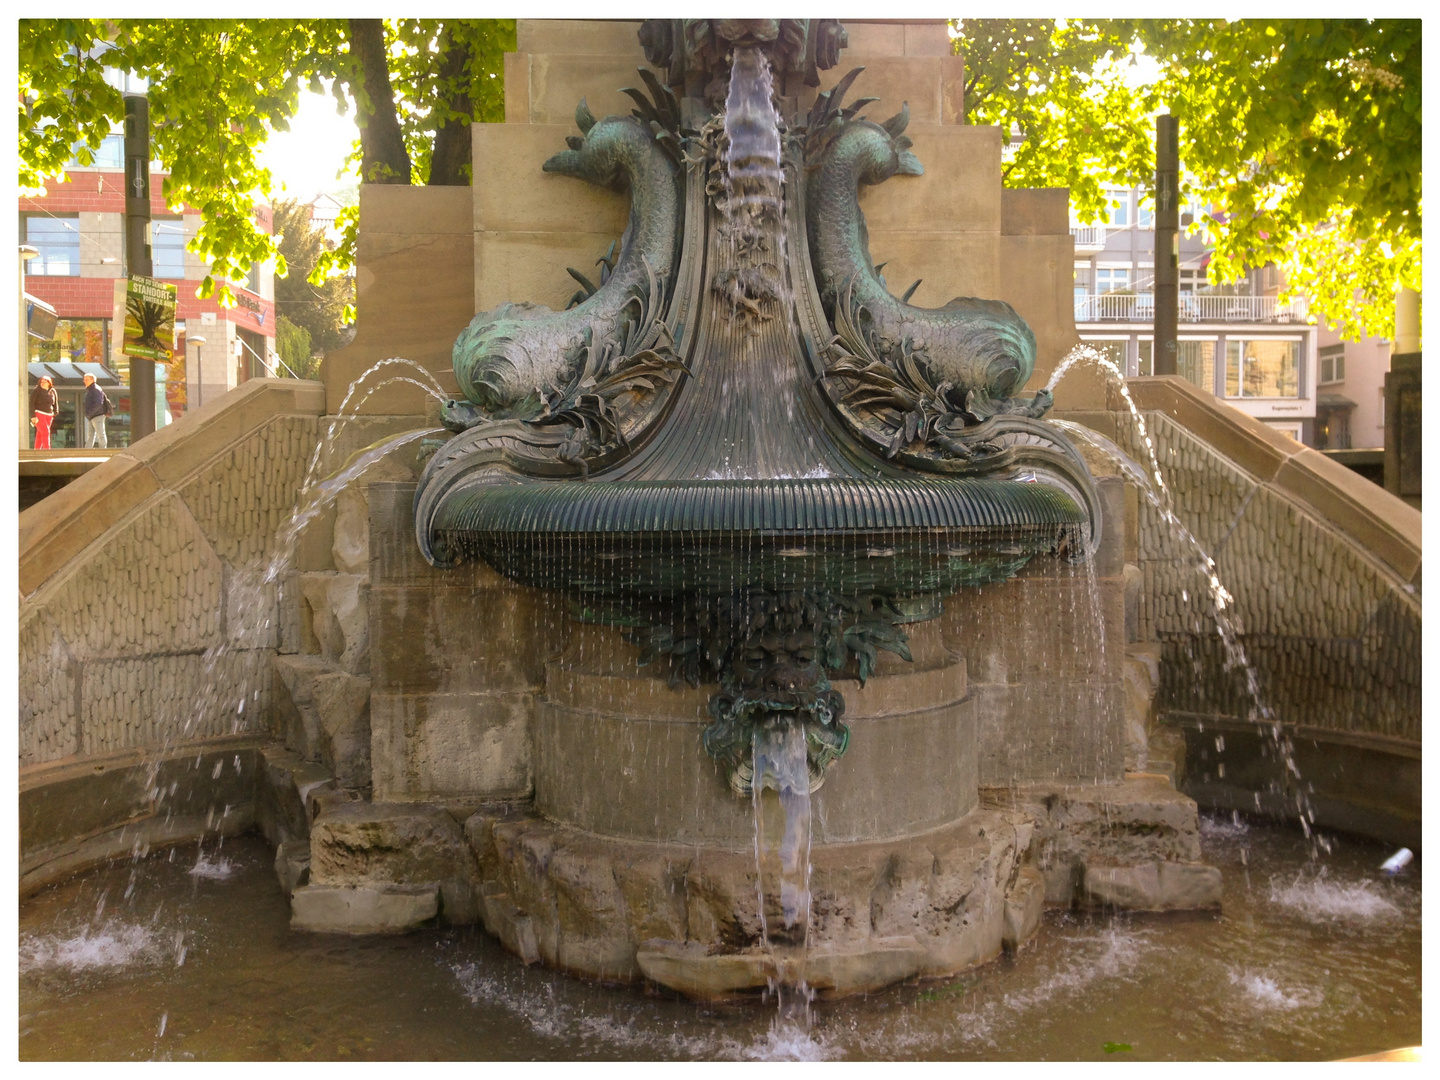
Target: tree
x=293 y=344
x=319 y=308
x=1063 y=88
x=219 y=87
x=1301 y=136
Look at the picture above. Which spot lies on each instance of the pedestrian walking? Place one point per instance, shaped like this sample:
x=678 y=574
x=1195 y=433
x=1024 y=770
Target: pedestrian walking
x=44 y=404
x=97 y=407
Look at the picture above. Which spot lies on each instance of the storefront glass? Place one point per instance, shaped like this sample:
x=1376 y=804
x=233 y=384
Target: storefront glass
x=1195 y=361
x=76 y=341
x=1262 y=367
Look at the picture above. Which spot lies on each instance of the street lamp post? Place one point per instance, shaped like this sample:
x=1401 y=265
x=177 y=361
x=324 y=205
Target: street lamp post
x=1167 y=246
x=137 y=250
x=198 y=340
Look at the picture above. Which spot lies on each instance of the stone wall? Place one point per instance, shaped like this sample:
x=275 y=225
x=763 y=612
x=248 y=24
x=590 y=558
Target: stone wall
x=1045 y=653
x=456 y=669
x=147 y=623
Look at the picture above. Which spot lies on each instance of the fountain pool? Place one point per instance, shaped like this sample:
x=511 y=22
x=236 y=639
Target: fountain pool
x=1305 y=963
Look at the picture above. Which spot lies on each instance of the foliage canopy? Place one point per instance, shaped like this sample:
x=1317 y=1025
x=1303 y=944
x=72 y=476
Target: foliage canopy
x=319 y=308
x=1302 y=136
x=218 y=88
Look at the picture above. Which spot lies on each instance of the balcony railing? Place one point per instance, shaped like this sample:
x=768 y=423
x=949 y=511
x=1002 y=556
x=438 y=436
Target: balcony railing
x=1088 y=236
x=1194 y=308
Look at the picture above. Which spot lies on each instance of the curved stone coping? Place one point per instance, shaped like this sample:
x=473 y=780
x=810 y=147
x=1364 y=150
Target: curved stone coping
x=61 y=526
x=835 y=505
x=1375 y=520
x=622 y=757
x=1355 y=781
x=77 y=813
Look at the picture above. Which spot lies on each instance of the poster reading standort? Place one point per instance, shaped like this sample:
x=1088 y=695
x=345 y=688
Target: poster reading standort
x=148 y=321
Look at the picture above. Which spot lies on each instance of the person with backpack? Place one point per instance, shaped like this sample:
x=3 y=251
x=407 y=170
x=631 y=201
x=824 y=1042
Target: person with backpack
x=44 y=404
x=96 y=406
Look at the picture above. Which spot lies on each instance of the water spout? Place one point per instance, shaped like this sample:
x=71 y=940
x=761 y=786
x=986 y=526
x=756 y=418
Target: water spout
x=781 y=796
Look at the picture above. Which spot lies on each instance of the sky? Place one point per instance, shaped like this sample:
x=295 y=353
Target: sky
x=306 y=158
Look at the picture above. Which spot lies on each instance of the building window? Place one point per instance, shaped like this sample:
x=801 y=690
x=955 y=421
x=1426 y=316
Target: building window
x=1192 y=278
x=1112 y=278
x=1144 y=213
x=125 y=82
x=110 y=155
x=1332 y=364
x=1145 y=357
x=167 y=247
x=76 y=341
x=1082 y=287
x=1118 y=212
x=1262 y=367
x=58 y=239
x=1195 y=362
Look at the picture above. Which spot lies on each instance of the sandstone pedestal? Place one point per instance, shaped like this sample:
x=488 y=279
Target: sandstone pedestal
x=688 y=917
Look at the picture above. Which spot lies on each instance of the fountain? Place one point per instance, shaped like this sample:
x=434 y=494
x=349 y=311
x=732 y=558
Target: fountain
x=751 y=631
x=744 y=452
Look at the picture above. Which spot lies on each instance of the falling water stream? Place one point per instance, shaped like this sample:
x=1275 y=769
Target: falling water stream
x=781 y=795
x=254 y=592
x=1157 y=494
x=753 y=210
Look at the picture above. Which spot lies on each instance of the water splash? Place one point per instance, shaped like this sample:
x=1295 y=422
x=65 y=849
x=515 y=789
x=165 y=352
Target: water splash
x=217 y=869
x=1265 y=993
x=546 y=1015
x=1320 y=899
x=1222 y=828
x=114 y=945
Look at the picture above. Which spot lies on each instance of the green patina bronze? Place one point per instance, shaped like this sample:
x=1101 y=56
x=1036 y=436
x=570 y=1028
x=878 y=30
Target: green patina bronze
x=739 y=446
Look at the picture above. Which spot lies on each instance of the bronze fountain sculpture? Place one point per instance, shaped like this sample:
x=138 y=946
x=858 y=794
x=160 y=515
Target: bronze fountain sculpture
x=763 y=461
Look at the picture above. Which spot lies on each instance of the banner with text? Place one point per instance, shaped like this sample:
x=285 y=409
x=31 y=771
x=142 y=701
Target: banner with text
x=145 y=318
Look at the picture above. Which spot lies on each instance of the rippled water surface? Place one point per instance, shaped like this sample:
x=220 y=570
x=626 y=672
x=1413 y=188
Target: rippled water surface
x=191 y=956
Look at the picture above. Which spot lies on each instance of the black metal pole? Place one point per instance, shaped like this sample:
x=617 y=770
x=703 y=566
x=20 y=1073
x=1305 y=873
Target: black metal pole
x=1167 y=243
x=137 y=250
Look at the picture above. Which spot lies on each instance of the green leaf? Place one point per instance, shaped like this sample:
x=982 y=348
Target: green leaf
x=1116 y=1047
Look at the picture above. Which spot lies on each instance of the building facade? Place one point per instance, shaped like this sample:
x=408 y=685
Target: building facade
x=1350 y=404
x=78 y=228
x=1239 y=342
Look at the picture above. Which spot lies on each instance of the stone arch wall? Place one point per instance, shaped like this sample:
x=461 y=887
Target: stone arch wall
x=1323 y=569
x=145 y=624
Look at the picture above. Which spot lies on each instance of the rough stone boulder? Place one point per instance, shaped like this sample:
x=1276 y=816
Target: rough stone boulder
x=327 y=716
x=690 y=919
x=1134 y=844
x=376 y=846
